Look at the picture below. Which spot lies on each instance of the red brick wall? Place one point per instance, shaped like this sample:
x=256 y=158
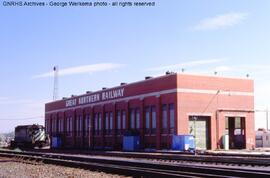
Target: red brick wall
x=191 y=94
x=207 y=100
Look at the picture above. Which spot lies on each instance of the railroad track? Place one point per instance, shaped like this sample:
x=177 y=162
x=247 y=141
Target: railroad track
x=211 y=159
x=136 y=168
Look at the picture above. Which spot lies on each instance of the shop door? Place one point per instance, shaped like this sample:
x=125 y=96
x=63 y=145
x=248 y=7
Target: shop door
x=199 y=127
x=235 y=128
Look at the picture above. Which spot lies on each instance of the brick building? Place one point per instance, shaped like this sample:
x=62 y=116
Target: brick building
x=205 y=106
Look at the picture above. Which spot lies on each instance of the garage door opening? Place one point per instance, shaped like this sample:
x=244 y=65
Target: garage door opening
x=199 y=127
x=235 y=128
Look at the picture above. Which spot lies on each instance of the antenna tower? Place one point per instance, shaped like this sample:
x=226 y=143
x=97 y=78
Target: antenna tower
x=55 y=83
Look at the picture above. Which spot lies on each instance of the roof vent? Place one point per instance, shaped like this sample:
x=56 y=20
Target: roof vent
x=73 y=96
x=87 y=92
x=169 y=72
x=104 y=88
x=64 y=98
x=148 y=77
x=123 y=83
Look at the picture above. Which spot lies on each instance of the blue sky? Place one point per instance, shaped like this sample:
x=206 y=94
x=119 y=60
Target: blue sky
x=102 y=47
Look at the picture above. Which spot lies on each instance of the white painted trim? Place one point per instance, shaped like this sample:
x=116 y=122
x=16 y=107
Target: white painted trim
x=220 y=92
x=157 y=94
x=211 y=75
x=234 y=115
x=200 y=114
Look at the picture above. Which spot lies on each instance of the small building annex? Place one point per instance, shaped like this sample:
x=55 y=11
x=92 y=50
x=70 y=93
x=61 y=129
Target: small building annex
x=206 y=106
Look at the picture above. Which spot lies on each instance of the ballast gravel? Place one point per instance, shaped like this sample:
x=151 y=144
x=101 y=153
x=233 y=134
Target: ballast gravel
x=13 y=168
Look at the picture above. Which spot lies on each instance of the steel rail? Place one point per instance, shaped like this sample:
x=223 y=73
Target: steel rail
x=212 y=159
x=135 y=168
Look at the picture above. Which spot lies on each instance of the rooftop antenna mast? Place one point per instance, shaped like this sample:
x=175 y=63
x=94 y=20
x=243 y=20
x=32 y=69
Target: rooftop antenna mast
x=55 y=83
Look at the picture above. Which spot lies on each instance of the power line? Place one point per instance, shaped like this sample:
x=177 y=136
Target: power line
x=209 y=103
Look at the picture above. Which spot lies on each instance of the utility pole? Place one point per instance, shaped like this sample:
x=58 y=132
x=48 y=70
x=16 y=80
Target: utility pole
x=267 y=128
x=55 y=83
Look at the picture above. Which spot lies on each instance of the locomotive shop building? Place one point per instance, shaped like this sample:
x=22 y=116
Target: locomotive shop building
x=207 y=107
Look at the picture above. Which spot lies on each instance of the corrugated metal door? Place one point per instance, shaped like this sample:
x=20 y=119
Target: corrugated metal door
x=199 y=128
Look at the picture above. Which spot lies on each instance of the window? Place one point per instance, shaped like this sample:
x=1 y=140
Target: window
x=107 y=122
x=78 y=125
x=81 y=125
x=87 y=125
x=147 y=119
x=47 y=123
x=99 y=122
x=60 y=125
x=52 y=120
x=96 y=124
x=118 y=120
x=238 y=129
x=137 y=118
x=123 y=119
x=67 y=119
x=69 y=126
x=154 y=118
x=164 y=117
x=132 y=119
x=171 y=107
x=237 y=122
x=54 y=124
x=111 y=121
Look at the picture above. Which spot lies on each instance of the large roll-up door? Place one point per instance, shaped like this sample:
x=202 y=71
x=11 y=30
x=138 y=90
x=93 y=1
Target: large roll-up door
x=199 y=127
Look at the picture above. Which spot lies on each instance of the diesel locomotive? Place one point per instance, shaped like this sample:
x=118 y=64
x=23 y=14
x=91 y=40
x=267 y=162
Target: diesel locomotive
x=30 y=136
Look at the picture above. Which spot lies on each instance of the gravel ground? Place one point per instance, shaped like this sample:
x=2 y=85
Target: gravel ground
x=10 y=168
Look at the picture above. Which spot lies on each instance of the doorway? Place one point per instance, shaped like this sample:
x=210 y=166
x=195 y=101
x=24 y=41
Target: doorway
x=235 y=128
x=200 y=128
